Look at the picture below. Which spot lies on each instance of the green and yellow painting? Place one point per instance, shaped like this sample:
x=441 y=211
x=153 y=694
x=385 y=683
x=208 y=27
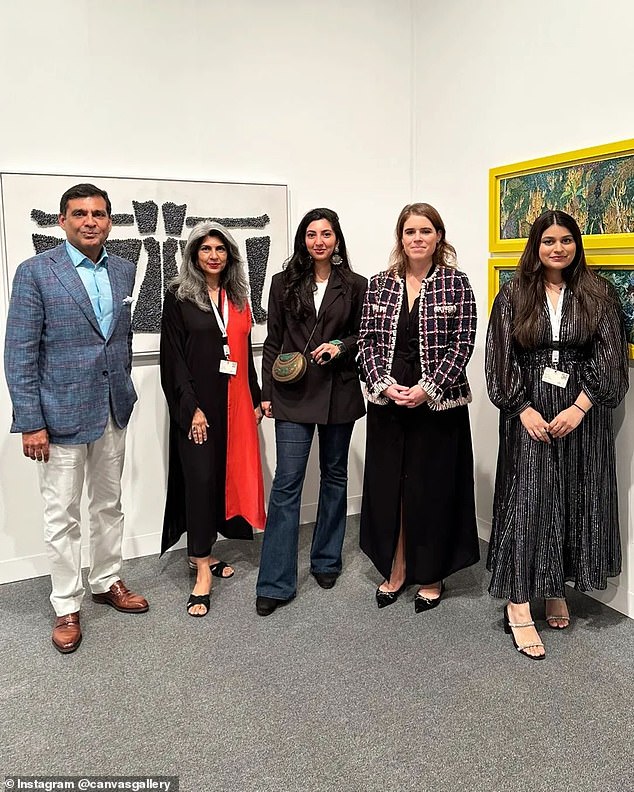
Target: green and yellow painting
x=599 y=195
x=623 y=282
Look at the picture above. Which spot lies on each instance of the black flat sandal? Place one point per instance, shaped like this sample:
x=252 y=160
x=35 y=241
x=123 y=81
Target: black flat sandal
x=216 y=569
x=198 y=599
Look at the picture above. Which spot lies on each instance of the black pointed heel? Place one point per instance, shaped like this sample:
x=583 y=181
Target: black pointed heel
x=385 y=598
x=426 y=603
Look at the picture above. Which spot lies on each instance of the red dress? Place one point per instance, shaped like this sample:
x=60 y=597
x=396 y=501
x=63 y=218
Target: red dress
x=244 y=488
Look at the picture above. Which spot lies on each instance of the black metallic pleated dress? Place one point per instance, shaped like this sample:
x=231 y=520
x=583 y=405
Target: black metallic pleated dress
x=555 y=511
x=419 y=462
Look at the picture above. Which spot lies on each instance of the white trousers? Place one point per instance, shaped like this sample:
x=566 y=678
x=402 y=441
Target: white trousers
x=61 y=485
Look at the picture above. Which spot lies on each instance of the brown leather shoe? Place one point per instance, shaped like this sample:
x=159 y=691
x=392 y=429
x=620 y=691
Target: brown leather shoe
x=67 y=633
x=122 y=599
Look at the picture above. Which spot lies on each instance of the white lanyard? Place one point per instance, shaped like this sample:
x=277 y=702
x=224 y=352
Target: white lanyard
x=224 y=320
x=555 y=321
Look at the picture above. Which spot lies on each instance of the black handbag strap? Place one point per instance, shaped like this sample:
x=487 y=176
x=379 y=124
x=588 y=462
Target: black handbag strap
x=310 y=338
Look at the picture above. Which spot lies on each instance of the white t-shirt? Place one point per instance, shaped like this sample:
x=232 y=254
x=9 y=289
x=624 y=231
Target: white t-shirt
x=319 y=294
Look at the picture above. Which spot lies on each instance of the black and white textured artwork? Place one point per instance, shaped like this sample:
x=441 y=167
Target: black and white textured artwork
x=146 y=214
x=151 y=221
x=173 y=217
x=258 y=258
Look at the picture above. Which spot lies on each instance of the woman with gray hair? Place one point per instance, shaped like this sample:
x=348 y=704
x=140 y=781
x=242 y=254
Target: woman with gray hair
x=209 y=380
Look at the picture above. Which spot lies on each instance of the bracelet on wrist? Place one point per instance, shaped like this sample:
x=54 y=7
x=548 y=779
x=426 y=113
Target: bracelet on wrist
x=339 y=344
x=574 y=404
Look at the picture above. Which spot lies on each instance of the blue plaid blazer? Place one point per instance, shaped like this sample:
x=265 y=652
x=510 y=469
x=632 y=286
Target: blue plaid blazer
x=63 y=374
x=447 y=317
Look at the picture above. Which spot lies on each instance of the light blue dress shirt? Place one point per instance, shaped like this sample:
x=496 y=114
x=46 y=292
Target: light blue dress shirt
x=97 y=283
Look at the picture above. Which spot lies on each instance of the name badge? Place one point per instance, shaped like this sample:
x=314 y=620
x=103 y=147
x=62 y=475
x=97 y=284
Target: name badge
x=555 y=377
x=228 y=367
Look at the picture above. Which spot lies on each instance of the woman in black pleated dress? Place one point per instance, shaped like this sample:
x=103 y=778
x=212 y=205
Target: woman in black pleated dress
x=556 y=366
x=418 y=520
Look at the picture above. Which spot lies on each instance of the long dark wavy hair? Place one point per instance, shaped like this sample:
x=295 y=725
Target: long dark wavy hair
x=299 y=275
x=444 y=255
x=589 y=290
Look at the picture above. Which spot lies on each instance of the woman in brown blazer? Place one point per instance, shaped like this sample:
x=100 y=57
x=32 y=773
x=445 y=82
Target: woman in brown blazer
x=314 y=304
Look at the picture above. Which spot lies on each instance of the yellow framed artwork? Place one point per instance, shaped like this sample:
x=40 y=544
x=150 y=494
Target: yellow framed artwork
x=501 y=270
x=594 y=185
x=617 y=268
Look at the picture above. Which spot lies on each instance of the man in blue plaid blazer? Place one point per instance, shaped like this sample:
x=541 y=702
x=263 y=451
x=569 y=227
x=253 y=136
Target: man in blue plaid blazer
x=68 y=360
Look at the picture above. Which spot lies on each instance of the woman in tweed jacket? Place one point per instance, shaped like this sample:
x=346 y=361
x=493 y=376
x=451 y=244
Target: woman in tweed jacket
x=417 y=334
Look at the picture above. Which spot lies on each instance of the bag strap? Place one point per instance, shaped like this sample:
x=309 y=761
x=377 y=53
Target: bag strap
x=310 y=337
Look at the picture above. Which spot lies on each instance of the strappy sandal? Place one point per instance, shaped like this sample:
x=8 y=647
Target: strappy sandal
x=216 y=569
x=198 y=599
x=554 y=618
x=521 y=648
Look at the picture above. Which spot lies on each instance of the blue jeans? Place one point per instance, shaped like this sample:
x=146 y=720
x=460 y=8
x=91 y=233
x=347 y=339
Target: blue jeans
x=278 y=563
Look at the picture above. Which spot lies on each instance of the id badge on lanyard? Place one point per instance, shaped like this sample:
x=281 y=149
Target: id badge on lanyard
x=552 y=374
x=227 y=366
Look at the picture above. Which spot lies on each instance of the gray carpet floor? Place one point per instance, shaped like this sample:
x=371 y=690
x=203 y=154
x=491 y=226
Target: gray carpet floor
x=328 y=693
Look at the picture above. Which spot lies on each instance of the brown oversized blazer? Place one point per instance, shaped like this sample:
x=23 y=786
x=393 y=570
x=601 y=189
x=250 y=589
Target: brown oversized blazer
x=328 y=394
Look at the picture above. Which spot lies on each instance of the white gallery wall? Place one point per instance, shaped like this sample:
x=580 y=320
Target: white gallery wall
x=502 y=82
x=314 y=95
x=361 y=105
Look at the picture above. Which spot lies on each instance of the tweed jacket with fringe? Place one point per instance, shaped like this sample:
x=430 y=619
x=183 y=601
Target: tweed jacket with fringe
x=447 y=324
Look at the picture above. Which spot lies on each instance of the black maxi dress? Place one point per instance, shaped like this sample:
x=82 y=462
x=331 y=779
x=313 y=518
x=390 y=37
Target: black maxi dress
x=555 y=510
x=191 y=350
x=418 y=462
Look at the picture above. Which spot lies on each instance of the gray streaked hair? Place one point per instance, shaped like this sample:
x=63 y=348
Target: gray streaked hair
x=190 y=283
